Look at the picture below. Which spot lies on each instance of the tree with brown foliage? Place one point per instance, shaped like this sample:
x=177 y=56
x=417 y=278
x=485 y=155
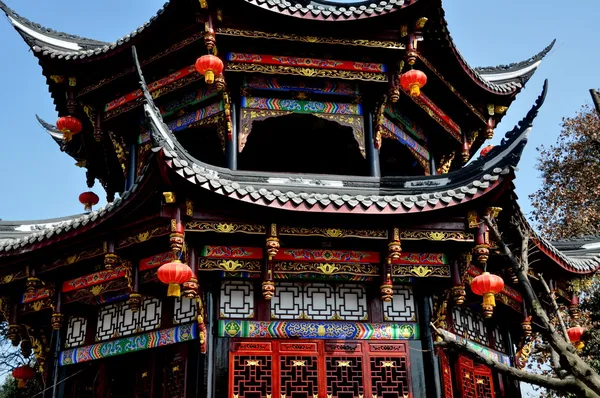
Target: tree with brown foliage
x=568 y=203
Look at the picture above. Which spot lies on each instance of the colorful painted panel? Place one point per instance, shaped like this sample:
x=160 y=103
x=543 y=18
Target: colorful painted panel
x=507 y=296
x=325 y=269
x=131 y=344
x=156 y=260
x=191 y=98
x=193 y=117
x=342 y=256
x=487 y=352
x=38 y=294
x=246 y=253
x=408 y=125
x=188 y=70
x=421 y=258
x=311 y=86
x=299 y=106
x=334 y=232
x=306 y=62
x=405 y=139
x=230 y=266
x=318 y=330
x=95 y=279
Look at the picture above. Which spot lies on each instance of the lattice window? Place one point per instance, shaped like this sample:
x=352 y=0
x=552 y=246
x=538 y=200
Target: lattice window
x=499 y=342
x=237 y=299
x=402 y=307
x=469 y=324
x=389 y=377
x=251 y=376
x=127 y=320
x=76 y=329
x=150 y=314
x=476 y=381
x=298 y=376
x=287 y=302
x=115 y=320
x=185 y=310
x=446 y=375
x=344 y=377
x=108 y=317
x=319 y=301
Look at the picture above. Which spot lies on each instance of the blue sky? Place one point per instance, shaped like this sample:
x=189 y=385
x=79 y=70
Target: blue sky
x=38 y=181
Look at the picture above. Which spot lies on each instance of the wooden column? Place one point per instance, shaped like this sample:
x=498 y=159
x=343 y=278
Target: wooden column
x=232 y=142
x=371 y=152
x=432 y=364
x=132 y=166
x=56 y=338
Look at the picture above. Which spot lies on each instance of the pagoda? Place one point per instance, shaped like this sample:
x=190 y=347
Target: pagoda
x=306 y=177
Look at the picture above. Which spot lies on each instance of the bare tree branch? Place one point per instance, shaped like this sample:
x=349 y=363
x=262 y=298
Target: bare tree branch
x=552 y=297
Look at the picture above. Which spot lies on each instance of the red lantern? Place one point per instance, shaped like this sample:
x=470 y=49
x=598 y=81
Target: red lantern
x=23 y=374
x=575 y=336
x=69 y=125
x=486 y=150
x=413 y=80
x=174 y=274
x=487 y=285
x=209 y=66
x=88 y=199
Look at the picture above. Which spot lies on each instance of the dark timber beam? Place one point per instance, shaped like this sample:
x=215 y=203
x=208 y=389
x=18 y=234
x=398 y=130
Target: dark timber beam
x=372 y=153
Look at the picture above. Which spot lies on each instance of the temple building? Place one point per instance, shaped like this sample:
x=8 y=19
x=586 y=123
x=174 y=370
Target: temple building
x=306 y=177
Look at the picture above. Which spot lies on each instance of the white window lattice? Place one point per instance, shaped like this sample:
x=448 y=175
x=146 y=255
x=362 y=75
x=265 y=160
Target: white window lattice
x=499 y=342
x=402 y=307
x=76 y=329
x=184 y=311
x=116 y=320
x=319 y=301
x=470 y=324
x=237 y=300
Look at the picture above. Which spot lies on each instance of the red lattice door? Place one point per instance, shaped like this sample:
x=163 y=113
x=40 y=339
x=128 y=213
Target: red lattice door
x=319 y=369
x=476 y=381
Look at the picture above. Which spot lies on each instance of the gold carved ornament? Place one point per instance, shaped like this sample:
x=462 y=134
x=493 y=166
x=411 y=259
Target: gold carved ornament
x=308 y=72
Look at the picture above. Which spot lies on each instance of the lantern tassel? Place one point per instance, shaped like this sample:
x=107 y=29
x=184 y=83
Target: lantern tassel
x=21 y=383
x=209 y=77
x=174 y=290
x=579 y=345
x=489 y=299
x=67 y=135
x=415 y=90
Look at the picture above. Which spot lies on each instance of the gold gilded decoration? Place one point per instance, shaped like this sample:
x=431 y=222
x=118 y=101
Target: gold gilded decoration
x=420 y=24
x=58 y=79
x=203 y=4
x=394 y=246
x=268 y=289
x=307 y=72
x=388 y=364
x=189 y=208
x=298 y=363
x=327 y=268
x=72 y=81
x=294 y=267
x=491 y=109
x=493 y=212
x=500 y=109
x=74 y=258
x=143 y=236
x=228 y=265
x=343 y=364
x=96 y=290
x=446 y=163
x=272 y=245
x=403 y=30
x=173 y=225
x=472 y=219
x=8 y=278
x=334 y=232
x=311 y=39
x=224 y=227
x=252 y=362
x=169 y=197
x=321 y=331
x=37 y=305
x=420 y=271
x=437 y=236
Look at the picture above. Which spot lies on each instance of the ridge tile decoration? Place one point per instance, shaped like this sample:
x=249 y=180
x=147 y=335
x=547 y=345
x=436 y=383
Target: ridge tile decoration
x=333 y=232
x=191 y=98
x=437 y=236
x=485 y=351
x=405 y=139
x=224 y=227
x=341 y=256
x=299 y=106
x=308 y=67
x=438 y=115
x=318 y=330
x=421 y=265
x=389 y=44
x=311 y=86
x=156 y=260
x=508 y=296
x=196 y=116
x=127 y=345
x=409 y=126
